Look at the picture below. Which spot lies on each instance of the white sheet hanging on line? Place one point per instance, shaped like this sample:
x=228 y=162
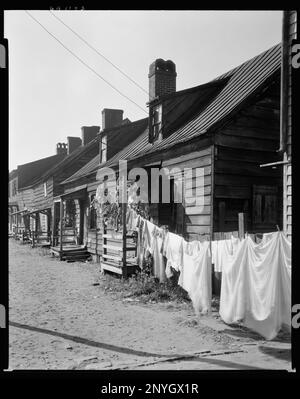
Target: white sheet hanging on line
x=195 y=275
x=157 y=253
x=256 y=286
x=172 y=250
x=153 y=244
x=222 y=250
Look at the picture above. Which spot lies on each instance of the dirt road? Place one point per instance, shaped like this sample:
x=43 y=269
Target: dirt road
x=62 y=317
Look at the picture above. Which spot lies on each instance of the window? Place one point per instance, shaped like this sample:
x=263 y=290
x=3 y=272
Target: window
x=265 y=206
x=93 y=215
x=103 y=149
x=155 y=122
x=45 y=189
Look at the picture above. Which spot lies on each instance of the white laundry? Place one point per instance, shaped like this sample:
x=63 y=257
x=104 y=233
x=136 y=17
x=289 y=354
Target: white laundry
x=222 y=251
x=131 y=219
x=157 y=253
x=172 y=250
x=256 y=285
x=148 y=236
x=195 y=275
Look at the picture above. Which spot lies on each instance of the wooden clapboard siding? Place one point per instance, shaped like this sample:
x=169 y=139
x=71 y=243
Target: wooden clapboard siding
x=245 y=143
x=287 y=169
x=94 y=238
x=40 y=199
x=195 y=218
x=26 y=198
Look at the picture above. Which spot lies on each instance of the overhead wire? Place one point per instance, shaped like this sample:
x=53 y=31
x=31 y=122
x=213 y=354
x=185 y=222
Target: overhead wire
x=84 y=63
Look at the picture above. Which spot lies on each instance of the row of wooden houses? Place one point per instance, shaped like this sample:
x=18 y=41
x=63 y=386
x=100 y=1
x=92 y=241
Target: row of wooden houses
x=230 y=127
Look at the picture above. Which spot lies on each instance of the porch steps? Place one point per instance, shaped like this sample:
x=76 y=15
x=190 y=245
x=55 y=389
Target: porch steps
x=71 y=253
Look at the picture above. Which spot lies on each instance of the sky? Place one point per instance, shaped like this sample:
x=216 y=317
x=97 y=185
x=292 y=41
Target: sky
x=52 y=94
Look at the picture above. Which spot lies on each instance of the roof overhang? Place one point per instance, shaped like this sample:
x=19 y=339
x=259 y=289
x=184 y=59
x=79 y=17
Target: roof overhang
x=77 y=193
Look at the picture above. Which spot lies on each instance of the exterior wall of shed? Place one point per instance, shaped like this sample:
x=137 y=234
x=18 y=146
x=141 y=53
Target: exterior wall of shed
x=287 y=169
x=241 y=147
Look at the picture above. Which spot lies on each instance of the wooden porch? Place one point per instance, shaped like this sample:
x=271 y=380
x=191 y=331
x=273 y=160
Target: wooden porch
x=71 y=252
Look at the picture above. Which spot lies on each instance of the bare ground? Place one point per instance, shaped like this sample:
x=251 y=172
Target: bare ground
x=63 y=316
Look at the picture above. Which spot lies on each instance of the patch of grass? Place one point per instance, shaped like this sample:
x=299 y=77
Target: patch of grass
x=145 y=287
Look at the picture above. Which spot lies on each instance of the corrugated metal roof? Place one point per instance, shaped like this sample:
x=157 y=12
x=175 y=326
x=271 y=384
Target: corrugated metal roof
x=243 y=81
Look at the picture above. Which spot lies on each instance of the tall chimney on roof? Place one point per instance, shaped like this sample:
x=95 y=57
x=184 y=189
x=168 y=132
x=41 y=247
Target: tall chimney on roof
x=111 y=118
x=162 y=78
x=88 y=133
x=61 y=148
x=73 y=143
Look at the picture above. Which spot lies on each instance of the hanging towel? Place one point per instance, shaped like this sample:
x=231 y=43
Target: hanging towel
x=256 y=285
x=195 y=275
x=172 y=250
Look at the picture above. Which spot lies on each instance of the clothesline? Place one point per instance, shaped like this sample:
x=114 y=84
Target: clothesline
x=256 y=276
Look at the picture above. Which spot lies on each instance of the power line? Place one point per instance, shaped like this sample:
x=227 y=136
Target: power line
x=84 y=63
x=98 y=52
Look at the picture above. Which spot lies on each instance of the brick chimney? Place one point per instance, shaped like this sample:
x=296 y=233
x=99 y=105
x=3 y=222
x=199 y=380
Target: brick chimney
x=88 y=133
x=111 y=118
x=162 y=78
x=61 y=148
x=73 y=143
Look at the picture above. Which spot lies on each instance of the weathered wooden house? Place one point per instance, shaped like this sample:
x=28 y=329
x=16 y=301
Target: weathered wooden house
x=81 y=187
x=21 y=198
x=229 y=126
x=36 y=196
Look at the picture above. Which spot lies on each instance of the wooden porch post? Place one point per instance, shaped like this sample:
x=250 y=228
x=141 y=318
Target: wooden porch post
x=53 y=224
x=48 y=223
x=61 y=228
x=17 y=219
x=124 y=240
x=36 y=228
x=241 y=225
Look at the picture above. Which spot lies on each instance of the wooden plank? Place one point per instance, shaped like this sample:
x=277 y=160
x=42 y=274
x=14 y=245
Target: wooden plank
x=232 y=191
x=237 y=180
x=187 y=157
x=198 y=229
x=118 y=258
x=199 y=220
x=114 y=269
x=198 y=210
x=201 y=162
x=265 y=134
x=112 y=247
x=243 y=168
x=206 y=201
x=222 y=215
x=241 y=218
x=246 y=142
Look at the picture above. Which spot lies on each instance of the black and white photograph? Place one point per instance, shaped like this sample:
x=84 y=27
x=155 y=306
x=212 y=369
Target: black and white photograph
x=149 y=191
